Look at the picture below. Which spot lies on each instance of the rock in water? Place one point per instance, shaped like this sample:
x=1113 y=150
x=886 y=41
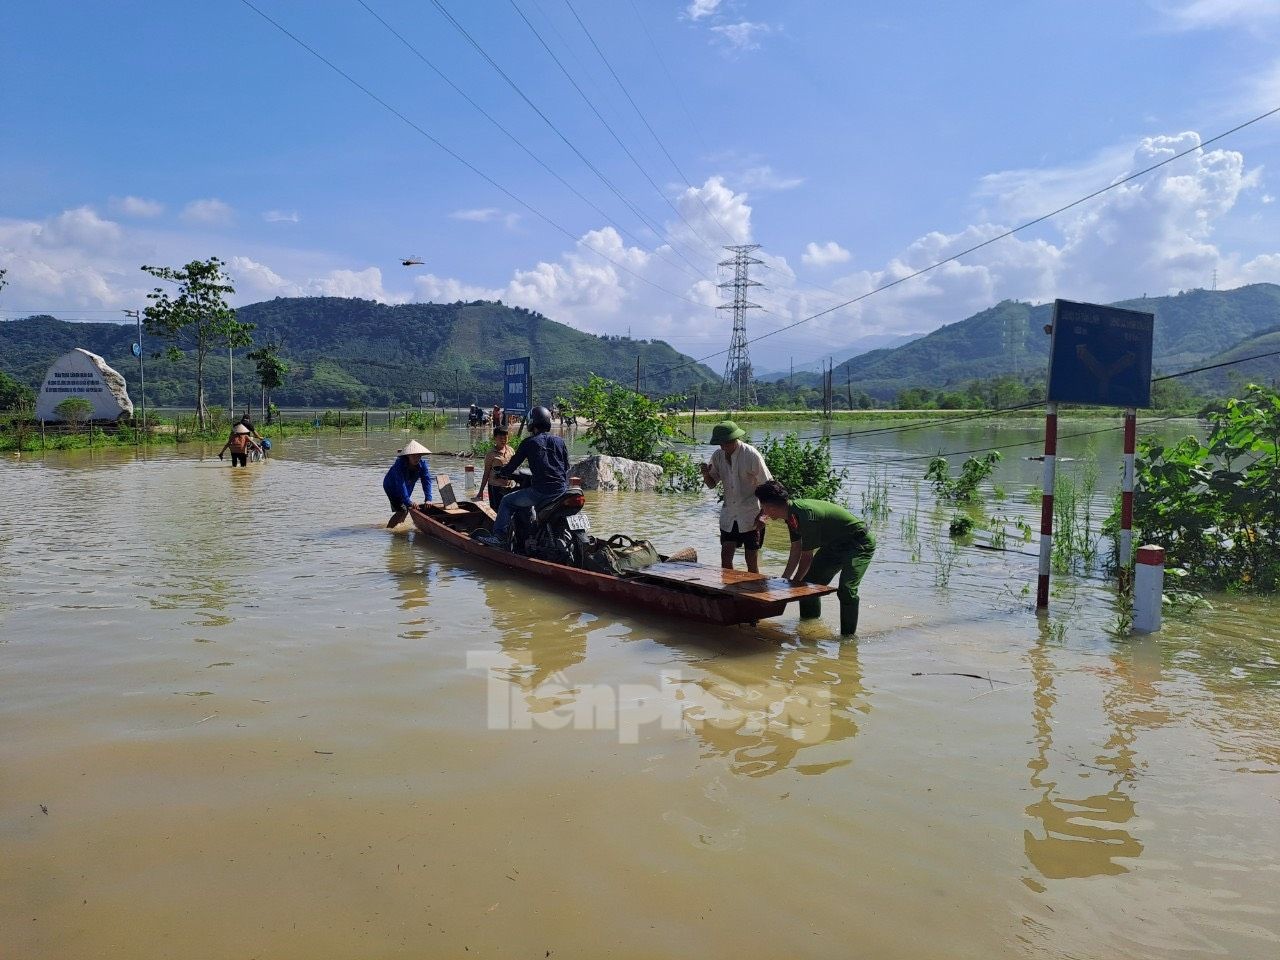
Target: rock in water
x=83 y=374
x=616 y=473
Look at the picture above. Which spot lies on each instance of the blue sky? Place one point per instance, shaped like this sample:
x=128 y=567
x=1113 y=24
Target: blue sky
x=855 y=141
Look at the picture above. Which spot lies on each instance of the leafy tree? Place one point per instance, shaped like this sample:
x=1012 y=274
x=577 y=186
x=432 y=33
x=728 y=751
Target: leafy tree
x=803 y=467
x=14 y=395
x=271 y=372
x=74 y=410
x=623 y=423
x=628 y=424
x=197 y=319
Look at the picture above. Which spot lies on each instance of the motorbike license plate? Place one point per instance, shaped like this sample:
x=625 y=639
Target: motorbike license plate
x=578 y=521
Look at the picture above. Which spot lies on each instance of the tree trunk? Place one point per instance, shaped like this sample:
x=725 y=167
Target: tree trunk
x=263 y=404
x=202 y=412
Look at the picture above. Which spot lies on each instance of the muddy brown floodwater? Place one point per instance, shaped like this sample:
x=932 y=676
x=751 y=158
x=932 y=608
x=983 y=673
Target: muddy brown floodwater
x=240 y=719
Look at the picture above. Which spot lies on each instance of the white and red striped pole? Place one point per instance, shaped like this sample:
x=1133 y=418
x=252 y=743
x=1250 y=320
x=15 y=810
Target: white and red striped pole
x=1046 y=503
x=1126 y=496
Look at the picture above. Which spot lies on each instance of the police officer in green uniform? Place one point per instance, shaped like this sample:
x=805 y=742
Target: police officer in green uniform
x=826 y=539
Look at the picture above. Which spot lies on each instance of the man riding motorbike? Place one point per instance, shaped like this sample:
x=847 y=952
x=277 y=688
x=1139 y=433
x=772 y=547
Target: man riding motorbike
x=548 y=460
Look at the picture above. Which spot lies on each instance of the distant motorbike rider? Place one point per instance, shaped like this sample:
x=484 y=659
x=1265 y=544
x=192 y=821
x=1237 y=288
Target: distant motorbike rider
x=548 y=460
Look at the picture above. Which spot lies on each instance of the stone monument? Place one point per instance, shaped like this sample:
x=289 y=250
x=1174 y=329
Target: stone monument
x=80 y=373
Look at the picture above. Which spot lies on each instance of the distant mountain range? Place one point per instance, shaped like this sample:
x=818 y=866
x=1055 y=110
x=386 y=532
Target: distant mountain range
x=361 y=353
x=874 y=341
x=1191 y=329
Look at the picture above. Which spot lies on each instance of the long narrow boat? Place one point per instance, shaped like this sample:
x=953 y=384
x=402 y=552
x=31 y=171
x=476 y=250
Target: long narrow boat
x=692 y=591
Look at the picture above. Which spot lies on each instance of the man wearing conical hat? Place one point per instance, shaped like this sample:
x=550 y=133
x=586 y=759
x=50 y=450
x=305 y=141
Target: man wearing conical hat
x=409 y=469
x=738 y=468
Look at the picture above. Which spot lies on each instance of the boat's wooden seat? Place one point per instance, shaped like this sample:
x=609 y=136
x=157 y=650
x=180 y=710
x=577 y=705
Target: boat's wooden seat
x=736 y=582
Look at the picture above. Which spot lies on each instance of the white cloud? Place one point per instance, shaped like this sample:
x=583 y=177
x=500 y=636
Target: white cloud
x=1155 y=234
x=281 y=216
x=825 y=255
x=210 y=212
x=701 y=8
x=365 y=284
x=1200 y=14
x=743 y=36
x=764 y=177
x=487 y=215
x=137 y=207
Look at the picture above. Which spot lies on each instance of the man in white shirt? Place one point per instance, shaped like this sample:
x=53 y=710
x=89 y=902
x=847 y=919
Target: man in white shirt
x=739 y=468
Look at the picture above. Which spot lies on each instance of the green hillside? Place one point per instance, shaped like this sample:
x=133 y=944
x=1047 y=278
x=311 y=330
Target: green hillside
x=1009 y=338
x=358 y=352
x=1230 y=379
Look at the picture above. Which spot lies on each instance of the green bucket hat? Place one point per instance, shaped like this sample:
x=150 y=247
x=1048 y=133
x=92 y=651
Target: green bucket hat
x=725 y=431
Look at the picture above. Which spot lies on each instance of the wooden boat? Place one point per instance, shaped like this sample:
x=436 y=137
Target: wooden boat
x=692 y=591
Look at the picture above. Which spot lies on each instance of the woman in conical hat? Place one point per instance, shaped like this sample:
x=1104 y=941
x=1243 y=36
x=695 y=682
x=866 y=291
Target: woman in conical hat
x=239 y=442
x=409 y=469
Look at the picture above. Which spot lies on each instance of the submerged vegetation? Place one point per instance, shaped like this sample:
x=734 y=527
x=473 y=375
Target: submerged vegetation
x=803 y=466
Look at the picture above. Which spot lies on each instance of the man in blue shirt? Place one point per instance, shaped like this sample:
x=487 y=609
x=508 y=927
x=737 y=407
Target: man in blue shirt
x=409 y=469
x=548 y=460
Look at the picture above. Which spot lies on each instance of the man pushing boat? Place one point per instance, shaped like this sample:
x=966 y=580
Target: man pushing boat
x=409 y=469
x=826 y=539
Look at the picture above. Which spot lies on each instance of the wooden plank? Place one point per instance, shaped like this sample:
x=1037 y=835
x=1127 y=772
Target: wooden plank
x=755 y=586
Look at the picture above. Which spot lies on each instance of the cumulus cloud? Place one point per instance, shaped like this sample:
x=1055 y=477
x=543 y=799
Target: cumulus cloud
x=742 y=36
x=137 y=207
x=281 y=216
x=1157 y=234
x=209 y=212
x=825 y=255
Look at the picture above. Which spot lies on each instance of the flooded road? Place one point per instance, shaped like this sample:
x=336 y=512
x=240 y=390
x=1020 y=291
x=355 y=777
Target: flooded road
x=263 y=726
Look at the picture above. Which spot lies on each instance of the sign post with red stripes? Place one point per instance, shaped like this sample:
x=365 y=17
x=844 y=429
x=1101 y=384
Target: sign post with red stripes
x=1099 y=356
x=1126 y=496
x=1046 y=503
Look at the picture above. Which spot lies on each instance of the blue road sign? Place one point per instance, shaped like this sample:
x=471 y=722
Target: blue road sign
x=1100 y=355
x=515 y=385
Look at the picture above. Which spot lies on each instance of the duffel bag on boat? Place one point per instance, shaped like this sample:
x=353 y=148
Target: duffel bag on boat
x=619 y=555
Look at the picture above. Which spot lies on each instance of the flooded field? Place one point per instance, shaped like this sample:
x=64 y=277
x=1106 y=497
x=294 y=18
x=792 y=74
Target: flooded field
x=243 y=720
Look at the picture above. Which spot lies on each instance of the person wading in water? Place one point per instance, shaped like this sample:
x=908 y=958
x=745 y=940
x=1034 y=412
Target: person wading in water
x=826 y=539
x=739 y=468
x=409 y=469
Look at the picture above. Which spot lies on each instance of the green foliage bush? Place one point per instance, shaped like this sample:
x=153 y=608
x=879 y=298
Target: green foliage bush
x=1215 y=506
x=623 y=423
x=963 y=488
x=803 y=467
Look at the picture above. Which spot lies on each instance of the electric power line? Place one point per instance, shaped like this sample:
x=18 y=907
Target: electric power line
x=599 y=116
x=518 y=142
x=1001 y=236
x=648 y=126
x=458 y=157
x=634 y=208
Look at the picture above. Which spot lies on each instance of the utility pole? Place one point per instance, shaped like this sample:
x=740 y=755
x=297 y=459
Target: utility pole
x=637 y=373
x=738 y=381
x=231 y=383
x=142 y=374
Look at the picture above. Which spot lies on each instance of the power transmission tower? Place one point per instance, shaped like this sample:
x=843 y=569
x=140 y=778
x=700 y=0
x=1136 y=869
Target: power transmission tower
x=739 y=384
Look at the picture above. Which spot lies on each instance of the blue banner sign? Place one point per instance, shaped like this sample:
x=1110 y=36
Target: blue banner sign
x=1100 y=355
x=515 y=385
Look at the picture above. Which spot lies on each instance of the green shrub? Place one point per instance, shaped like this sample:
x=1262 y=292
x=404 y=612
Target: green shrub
x=803 y=467
x=963 y=488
